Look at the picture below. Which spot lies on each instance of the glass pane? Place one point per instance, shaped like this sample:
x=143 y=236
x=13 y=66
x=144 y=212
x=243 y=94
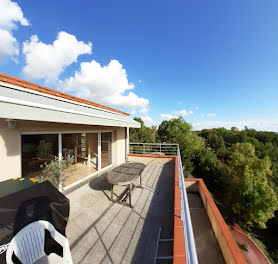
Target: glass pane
x=36 y=151
x=106 y=153
x=83 y=148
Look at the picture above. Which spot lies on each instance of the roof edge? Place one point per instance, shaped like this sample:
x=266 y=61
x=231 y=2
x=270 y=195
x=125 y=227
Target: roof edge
x=39 y=88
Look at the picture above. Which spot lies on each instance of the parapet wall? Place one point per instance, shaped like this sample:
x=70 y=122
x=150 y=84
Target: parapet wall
x=228 y=245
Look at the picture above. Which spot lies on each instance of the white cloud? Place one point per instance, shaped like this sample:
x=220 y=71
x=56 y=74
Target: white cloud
x=49 y=60
x=208 y=115
x=168 y=116
x=143 y=110
x=176 y=114
x=148 y=121
x=108 y=85
x=262 y=125
x=11 y=14
x=140 y=81
x=8 y=45
x=183 y=113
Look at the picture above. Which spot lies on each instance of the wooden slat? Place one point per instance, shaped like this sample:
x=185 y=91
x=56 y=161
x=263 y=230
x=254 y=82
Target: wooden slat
x=125 y=174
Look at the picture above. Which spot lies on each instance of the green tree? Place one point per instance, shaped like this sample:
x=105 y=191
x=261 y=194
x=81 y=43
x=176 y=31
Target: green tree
x=249 y=193
x=216 y=142
x=178 y=131
x=271 y=151
x=144 y=134
x=208 y=167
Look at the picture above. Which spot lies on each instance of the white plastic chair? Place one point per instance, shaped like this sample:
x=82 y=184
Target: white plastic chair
x=28 y=245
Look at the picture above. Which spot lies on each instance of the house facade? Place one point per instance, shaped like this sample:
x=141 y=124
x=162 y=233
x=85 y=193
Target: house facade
x=38 y=124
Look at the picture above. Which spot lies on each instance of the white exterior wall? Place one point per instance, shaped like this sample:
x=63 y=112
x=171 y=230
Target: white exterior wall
x=10 y=148
x=119 y=146
x=10 y=142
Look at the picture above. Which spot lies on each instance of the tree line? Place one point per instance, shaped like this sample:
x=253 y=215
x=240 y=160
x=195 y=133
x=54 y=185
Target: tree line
x=240 y=168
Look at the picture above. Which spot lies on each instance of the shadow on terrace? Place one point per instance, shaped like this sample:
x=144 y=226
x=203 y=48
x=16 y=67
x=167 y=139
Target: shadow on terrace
x=100 y=231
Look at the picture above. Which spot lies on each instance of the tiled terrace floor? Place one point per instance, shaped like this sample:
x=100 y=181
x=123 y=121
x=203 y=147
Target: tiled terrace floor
x=100 y=231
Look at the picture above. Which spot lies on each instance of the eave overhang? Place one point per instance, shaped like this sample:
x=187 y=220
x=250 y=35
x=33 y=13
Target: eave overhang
x=24 y=104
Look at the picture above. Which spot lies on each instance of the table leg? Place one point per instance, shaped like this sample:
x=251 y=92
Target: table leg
x=140 y=182
x=129 y=194
x=112 y=192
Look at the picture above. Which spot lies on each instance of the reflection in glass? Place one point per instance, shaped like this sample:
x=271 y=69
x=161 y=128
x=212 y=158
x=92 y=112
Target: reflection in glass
x=37 y=150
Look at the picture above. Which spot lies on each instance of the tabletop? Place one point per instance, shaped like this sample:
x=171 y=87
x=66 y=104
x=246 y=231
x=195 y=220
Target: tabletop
x=126 y=173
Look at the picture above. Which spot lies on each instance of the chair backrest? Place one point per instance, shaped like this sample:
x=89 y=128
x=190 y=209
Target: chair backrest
x=28 y=244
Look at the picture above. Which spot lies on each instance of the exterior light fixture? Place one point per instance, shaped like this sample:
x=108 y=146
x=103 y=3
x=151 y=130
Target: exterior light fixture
x=11 y=123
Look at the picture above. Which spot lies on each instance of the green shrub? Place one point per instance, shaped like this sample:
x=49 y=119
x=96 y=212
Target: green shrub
x=245 y=246
x=54 y=171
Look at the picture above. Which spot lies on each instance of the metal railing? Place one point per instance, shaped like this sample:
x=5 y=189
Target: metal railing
x=163 y=149
x=190 y=247
x=153 y=149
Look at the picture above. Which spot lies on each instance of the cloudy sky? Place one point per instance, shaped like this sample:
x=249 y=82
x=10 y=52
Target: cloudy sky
x=215 y=63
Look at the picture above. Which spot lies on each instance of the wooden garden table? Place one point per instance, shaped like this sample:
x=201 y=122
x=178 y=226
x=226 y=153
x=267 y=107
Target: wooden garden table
x=126 y=175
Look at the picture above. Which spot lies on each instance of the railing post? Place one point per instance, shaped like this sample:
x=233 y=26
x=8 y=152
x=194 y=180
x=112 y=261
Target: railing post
x=160 y=149
x=127 y=144
x=60 y=157
x=143 y=149
x=99 y=152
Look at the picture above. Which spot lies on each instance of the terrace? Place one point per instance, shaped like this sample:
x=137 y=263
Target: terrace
x=108 y=232
x=96 y=137
x=112 y=233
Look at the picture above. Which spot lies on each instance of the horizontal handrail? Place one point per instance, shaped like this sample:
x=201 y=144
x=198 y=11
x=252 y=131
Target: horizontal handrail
x=190 y=247
x=168 y=149
x=153 y=148
x=165 y=144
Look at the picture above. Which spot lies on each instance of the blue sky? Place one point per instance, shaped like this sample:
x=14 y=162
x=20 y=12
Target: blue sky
x=213 y=62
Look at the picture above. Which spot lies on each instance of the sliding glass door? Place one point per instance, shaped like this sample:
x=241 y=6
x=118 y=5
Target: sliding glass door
x=82 y=150
x=106 y=149
x=37 y=150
